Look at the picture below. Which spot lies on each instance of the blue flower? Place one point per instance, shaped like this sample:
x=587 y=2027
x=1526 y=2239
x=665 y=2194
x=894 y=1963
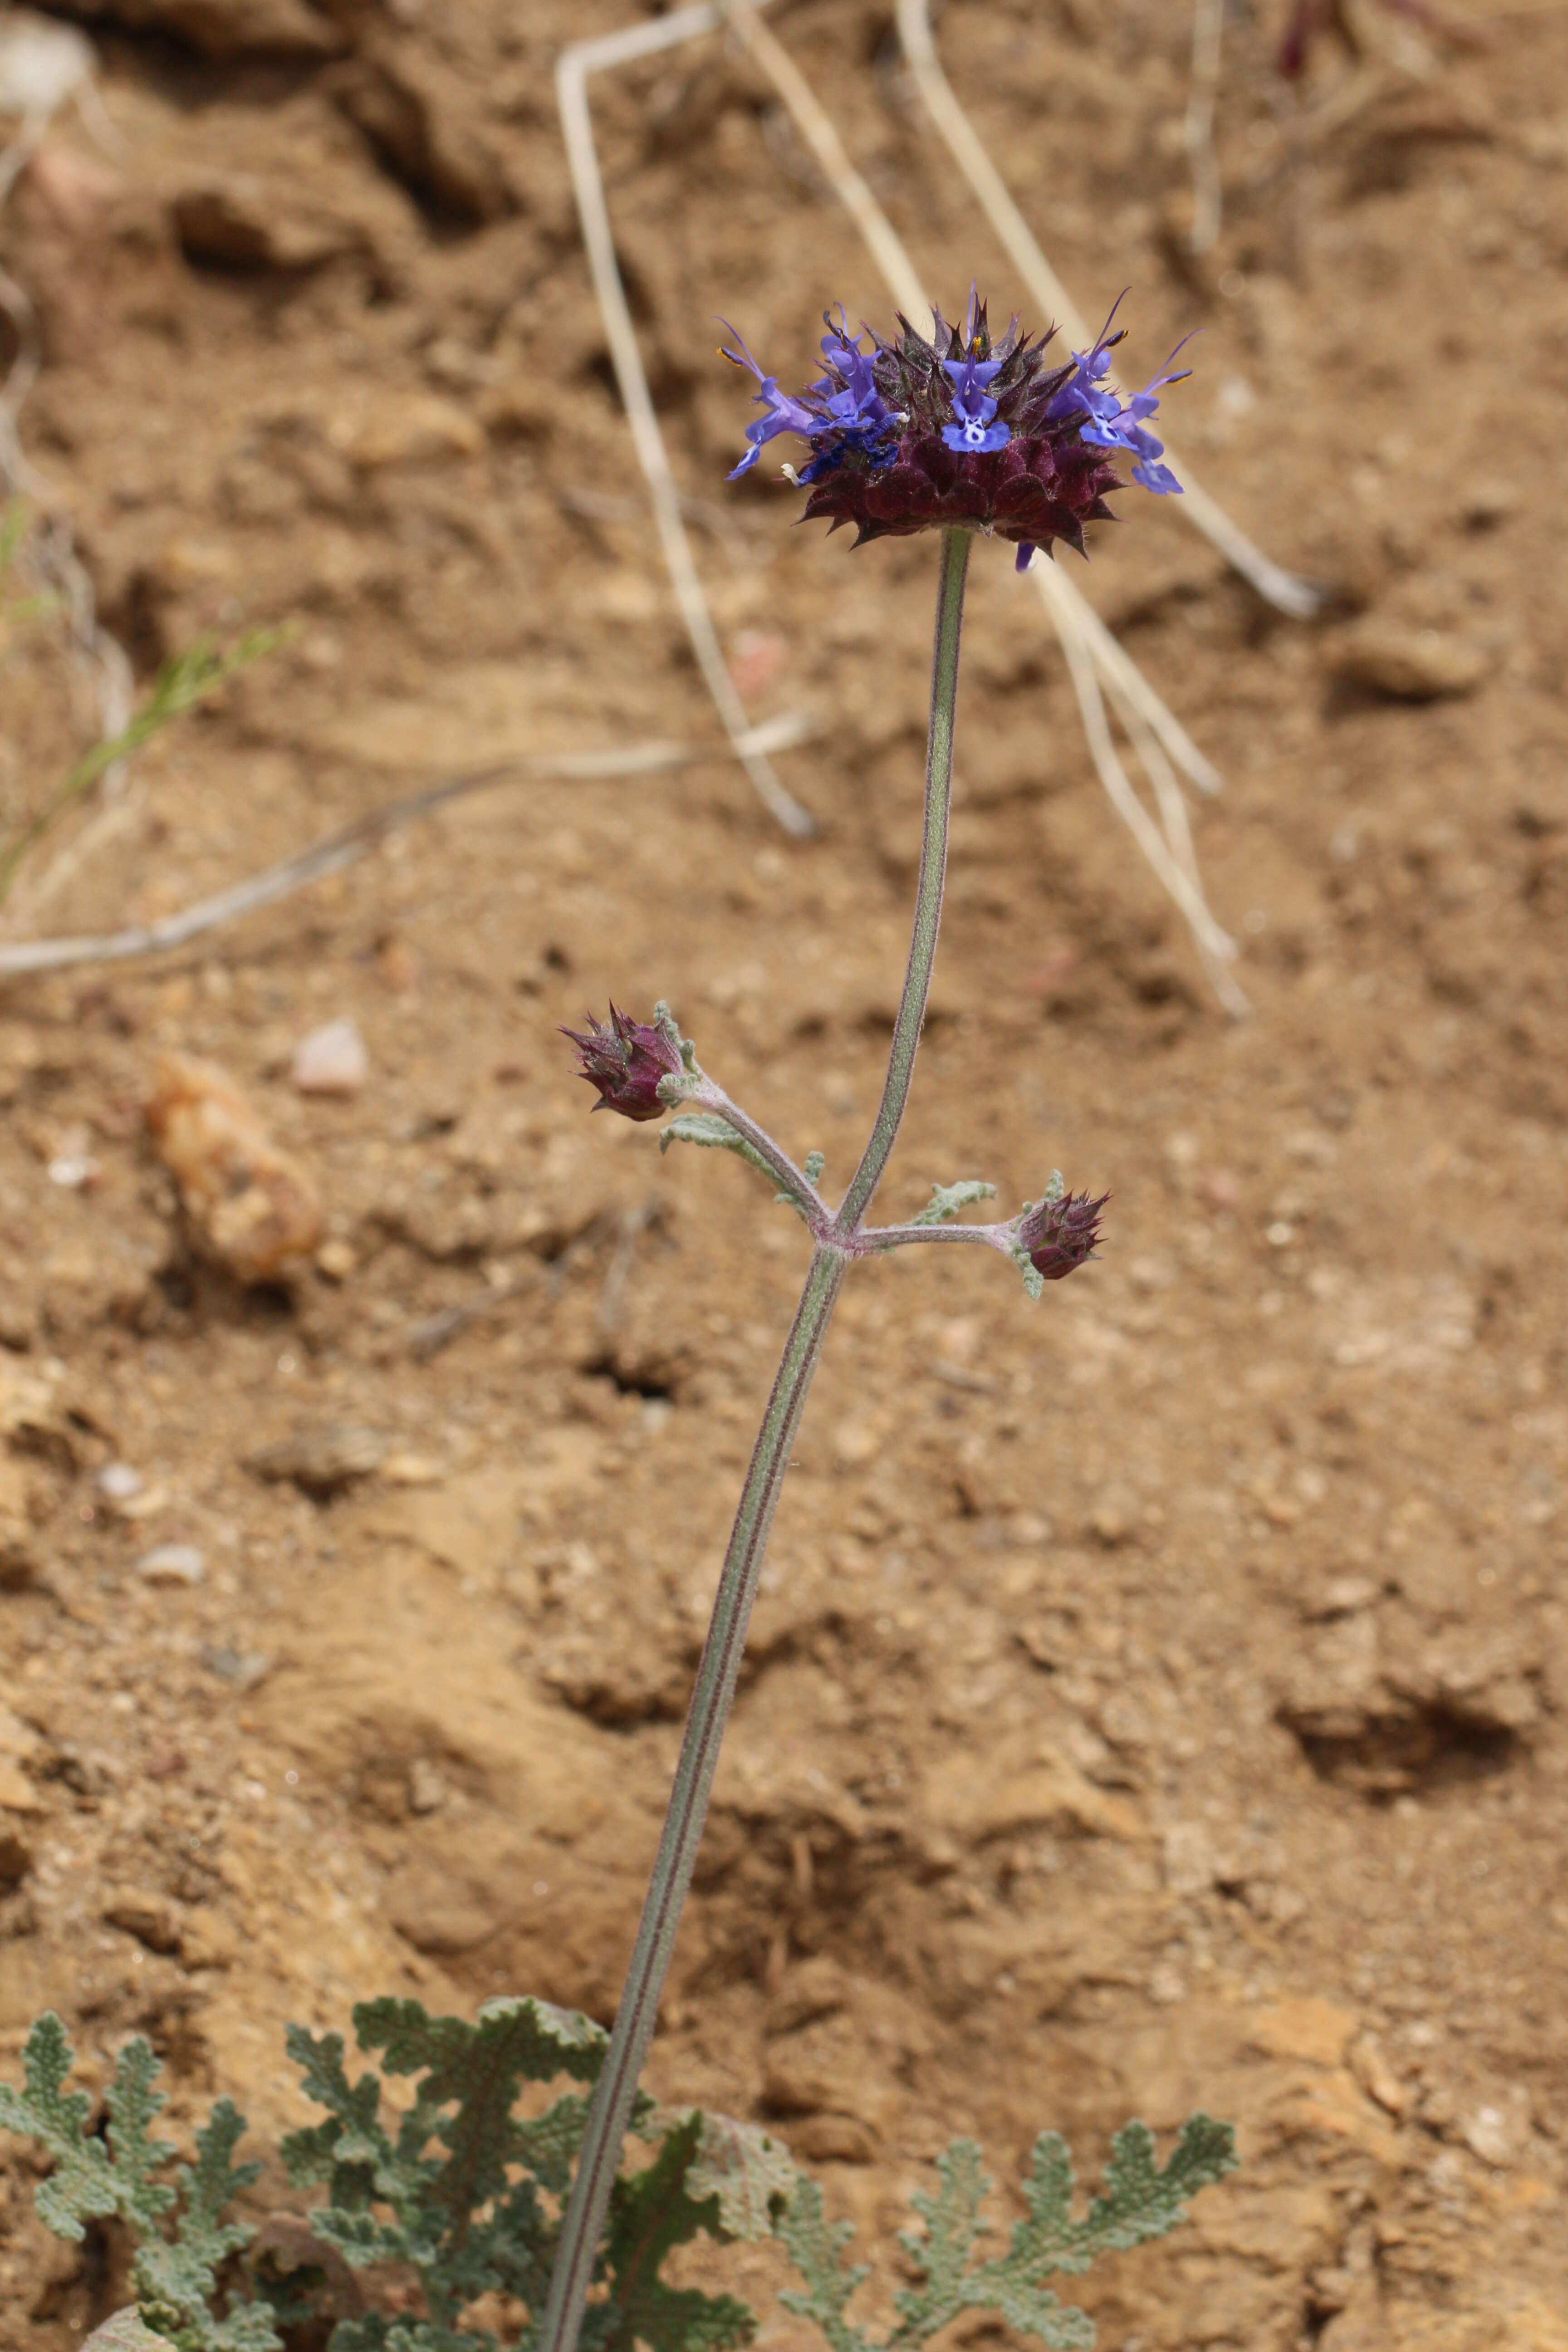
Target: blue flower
x=1111 y=423
x=853 y=410
x=844 y=404
x=781 y=414
x=962 y=428
x=975 y=426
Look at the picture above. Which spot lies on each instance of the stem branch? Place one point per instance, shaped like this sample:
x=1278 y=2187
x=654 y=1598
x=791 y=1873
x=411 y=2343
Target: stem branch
x=885 y=1237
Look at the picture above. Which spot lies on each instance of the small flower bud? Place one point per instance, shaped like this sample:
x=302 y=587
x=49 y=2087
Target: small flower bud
x=627 y=1061
x=1058 y=1235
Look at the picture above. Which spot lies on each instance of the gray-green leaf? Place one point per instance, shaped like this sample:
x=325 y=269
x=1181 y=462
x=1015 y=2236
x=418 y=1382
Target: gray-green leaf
x=946 y=1200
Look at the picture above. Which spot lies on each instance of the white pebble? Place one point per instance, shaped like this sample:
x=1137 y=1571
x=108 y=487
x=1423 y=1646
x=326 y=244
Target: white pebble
x=118 y=1482
x=332 y=1060
x=172 y=1563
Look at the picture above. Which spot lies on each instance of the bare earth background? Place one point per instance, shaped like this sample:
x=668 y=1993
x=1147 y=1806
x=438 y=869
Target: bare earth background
x=1161 y=1694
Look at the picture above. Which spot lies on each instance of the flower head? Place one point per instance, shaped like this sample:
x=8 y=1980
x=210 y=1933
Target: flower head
x=1057 y=1236
x=960 y=429
x=627 y=1061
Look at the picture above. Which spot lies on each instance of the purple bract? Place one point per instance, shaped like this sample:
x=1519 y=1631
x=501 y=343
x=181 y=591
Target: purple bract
x=626 y=1061
x=1059 y=1235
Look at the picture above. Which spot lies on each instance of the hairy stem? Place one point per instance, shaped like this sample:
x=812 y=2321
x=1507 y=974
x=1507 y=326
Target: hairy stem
x=792 y=1180
x=584 y=2223
x=705 y=1721
x=886 y=1237
x=928 y=889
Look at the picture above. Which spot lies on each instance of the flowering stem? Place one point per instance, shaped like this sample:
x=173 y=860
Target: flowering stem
x=928 y=889
x=837 y=1242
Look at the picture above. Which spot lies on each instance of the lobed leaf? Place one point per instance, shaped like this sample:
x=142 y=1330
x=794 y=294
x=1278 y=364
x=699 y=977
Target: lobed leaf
x=815 y=2245
x=82 y=2185
x=946 y=1200
x=651 y=2213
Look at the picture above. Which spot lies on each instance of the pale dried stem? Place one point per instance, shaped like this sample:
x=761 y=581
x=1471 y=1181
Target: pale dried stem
x=1282 y=589
x=1198 y=125
x=572 y=74
x=95 y=655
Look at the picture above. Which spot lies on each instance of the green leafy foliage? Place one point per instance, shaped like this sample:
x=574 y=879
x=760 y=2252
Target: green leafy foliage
x=176 y=2268
x=461 y=2192
x=455 y=2186
x=946 y=1200
x=1140 y=2200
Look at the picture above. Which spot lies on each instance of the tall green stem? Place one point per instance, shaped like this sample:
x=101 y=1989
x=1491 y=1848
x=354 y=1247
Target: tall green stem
x=584 y=2224
x=928 y=889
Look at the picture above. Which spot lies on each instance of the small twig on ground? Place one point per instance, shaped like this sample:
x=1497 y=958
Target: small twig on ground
x=431 y=1333
x=635 y=1222
x=352 y=841
x=1197 y=128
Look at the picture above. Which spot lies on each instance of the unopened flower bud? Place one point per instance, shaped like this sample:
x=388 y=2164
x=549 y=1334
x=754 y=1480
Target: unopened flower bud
x=1058 y=1235
x=627 y=1061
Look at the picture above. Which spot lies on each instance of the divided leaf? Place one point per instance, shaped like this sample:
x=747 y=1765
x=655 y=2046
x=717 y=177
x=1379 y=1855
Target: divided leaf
x=82 y=2185
x=175 y=2273
x=651 y=2213
x=748 y=2174
x=468 y=2194
x=1140 y=2202
x=952 y=2221
x=815 y=2245
x=946 y=1200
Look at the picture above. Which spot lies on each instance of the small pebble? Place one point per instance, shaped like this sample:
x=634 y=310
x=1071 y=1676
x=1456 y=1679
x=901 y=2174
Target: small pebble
x=172 y=1563
x=1410 y=665
x=320 y=1457
x=244 y=1668
x=118 y=1482
x=332 y=1060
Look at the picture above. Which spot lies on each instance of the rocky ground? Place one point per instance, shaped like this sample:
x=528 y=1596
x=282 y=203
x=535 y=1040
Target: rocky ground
x=1160 y=1695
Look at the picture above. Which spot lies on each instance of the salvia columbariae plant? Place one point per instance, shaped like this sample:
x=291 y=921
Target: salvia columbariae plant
x=962 y=434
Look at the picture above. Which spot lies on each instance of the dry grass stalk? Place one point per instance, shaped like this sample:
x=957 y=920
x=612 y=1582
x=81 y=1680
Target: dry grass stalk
x=352 y=841
x=1282 y=589
x=572 y=73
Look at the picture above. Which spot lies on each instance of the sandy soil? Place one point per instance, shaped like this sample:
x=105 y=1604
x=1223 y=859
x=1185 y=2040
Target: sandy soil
x=1159 y=1697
